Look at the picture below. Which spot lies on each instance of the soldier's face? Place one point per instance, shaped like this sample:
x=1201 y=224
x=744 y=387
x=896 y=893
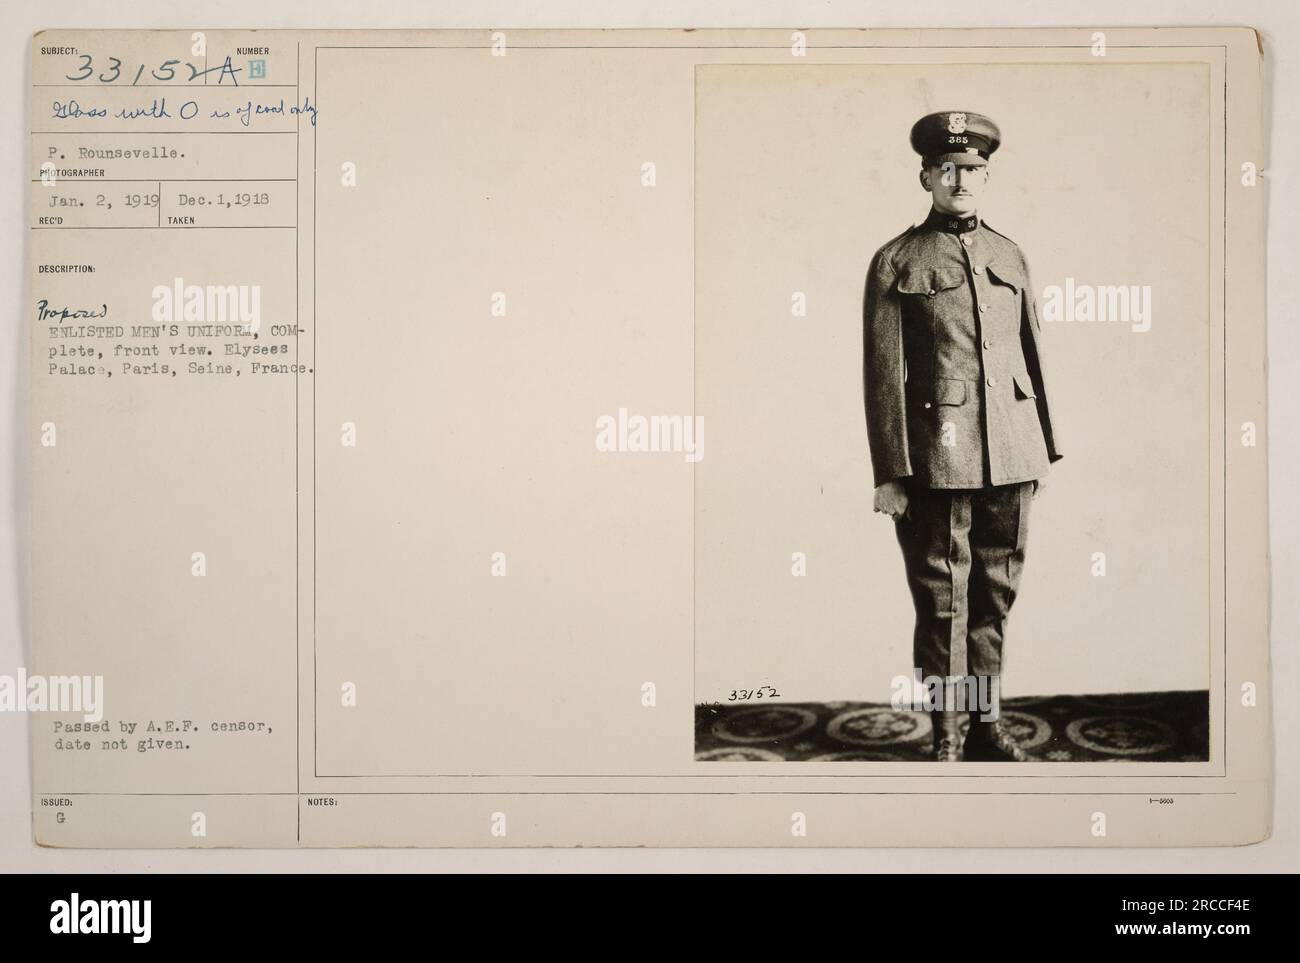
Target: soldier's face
x=956 y=188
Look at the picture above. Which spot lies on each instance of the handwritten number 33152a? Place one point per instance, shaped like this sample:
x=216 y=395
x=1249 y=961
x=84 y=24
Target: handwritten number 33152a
x=165 y=71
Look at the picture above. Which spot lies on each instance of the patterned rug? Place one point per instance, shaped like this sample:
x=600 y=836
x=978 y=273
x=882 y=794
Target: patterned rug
x=1131 y=727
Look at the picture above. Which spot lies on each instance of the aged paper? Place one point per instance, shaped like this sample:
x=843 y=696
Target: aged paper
x=461 y=438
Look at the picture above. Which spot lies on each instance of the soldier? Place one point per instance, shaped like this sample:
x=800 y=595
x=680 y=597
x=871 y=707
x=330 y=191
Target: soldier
x=957 y=422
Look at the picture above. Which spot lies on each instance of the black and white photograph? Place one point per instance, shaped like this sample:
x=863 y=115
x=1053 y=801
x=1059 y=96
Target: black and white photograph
x=960 y=315
x=751 y=439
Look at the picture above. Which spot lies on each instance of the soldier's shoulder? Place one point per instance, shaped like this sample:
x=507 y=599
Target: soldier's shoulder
x=999 y=236
x=887 y=252
x=993 y=230
x=1002 y=241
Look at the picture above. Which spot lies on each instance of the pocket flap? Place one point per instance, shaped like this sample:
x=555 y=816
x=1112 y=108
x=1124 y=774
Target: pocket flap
x=1024 y=388
x=1006 y=274
x=929 y=280
x=948 y=391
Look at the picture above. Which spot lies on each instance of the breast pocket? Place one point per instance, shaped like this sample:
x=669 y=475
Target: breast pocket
x=927 y=284
x=933 y=299
x=1007 y=275
x=1002 y=296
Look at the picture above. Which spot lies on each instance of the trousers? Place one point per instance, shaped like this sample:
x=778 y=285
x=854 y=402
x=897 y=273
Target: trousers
x=964 y=551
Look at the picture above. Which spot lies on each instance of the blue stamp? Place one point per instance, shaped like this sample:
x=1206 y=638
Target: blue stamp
x=256 y=69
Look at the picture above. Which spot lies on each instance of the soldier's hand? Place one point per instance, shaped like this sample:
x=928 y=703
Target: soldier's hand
x=891 y=498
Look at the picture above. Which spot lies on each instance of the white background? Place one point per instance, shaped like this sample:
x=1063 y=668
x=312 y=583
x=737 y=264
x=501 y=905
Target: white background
x=1279 y=24
x=787 y=467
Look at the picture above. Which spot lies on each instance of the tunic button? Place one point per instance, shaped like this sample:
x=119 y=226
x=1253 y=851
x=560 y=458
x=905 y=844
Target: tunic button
x=993 y=382
x=965 y=240
x=977 y=269
x=927 y=404
x=931 y=291
x=984 y=307
x=988 y=343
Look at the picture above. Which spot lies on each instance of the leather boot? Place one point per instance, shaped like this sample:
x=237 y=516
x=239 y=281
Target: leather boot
x=989 y=741
x=947 y=735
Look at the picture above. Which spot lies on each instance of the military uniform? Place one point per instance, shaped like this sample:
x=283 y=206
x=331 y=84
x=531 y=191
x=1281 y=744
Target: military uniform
x=957 y=412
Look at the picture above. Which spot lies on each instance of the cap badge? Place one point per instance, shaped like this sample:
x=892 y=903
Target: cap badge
x=956 y=123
